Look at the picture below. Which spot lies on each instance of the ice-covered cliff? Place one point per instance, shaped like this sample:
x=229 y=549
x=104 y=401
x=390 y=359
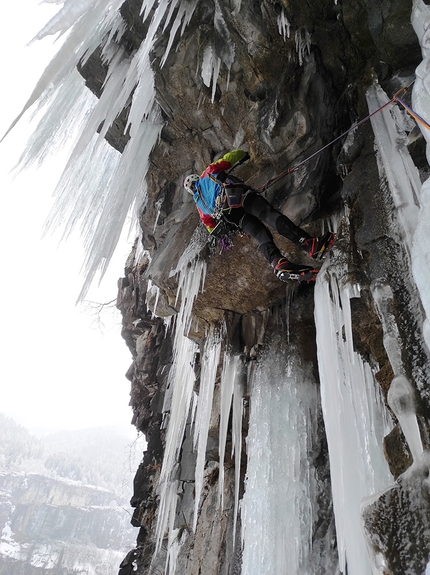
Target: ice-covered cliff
x=278 y=418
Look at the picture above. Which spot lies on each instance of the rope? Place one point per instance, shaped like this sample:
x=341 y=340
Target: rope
x=413 y=114
x=353 y=127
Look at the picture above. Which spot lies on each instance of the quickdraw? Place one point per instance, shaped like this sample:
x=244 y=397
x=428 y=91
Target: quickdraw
x=414 y=115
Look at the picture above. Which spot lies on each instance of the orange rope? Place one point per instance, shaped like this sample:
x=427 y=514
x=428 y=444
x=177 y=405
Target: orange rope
x=413 y=114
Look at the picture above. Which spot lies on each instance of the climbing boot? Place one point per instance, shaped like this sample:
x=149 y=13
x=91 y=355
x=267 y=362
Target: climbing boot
x=287 y=271
x=318 y=247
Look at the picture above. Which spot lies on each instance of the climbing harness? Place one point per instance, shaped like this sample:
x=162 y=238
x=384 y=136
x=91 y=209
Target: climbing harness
x=222 y=235
x=395 y=98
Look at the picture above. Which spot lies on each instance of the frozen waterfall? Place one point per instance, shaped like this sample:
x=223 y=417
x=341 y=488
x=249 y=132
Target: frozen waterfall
x=280 y=501
x=101 y=189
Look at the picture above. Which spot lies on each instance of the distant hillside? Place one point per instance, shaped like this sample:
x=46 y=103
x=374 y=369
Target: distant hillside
x=64 y=500
x=96 y=456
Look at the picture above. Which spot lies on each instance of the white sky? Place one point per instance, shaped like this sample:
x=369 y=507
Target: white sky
x=57 y=368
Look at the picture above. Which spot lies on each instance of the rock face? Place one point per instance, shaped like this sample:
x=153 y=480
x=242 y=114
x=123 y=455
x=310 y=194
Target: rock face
x=293 y=76
x=60 y=510
x=40 y=514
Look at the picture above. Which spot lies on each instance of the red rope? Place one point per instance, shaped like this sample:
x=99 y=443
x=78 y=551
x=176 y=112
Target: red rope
x=353 y=127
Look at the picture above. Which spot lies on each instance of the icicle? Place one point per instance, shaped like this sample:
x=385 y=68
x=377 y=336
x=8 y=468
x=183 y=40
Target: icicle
x=188 y=287
x=93 y=24
x=146 y=8
x=283 y=26
x=69 y=108
x=181 y=380
x=158 y=205
x=85 y=36
x=237 y=438
x=71 y=11
x=227 y=47
x=420 y=19
x=395 y=163
x=140 y=77
x=103 y=113
x=168 y=491
x=355 y=417
x=210 y=68
x=184 y=14
x=210 y=362
x=227 y=386
x=231 y=396
x=176 y=540
x=383 y=297
x=303 y=44
x=400 y=394
x=421 y=104
x=152 y=297
x=402 y=402
x=128 y=188
x=212 y=57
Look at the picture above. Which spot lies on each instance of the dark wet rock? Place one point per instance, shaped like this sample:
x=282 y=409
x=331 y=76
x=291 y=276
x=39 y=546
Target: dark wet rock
x=397 y=523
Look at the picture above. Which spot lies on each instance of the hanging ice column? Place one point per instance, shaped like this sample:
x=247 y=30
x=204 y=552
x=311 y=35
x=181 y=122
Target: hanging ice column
x=180 y=411
x=221 y=49
x=210 y=362
x=178 y=397
x=400 y=394
x=396 y=520
x=281 y=487
x=421 y=104
x=100 y=205
x=394 y=161
x=231 y=396
x=355 y=417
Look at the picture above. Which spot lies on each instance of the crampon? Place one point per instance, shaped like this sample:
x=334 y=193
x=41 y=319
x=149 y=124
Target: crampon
x=301 y=277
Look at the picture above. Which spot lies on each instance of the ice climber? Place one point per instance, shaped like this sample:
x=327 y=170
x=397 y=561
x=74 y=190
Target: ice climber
x=220 y=196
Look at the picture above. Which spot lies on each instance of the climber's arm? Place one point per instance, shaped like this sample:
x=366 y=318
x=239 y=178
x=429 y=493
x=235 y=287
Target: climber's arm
x=226 y=162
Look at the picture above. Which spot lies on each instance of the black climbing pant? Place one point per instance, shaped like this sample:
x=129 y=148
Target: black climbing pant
x=249 y=218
